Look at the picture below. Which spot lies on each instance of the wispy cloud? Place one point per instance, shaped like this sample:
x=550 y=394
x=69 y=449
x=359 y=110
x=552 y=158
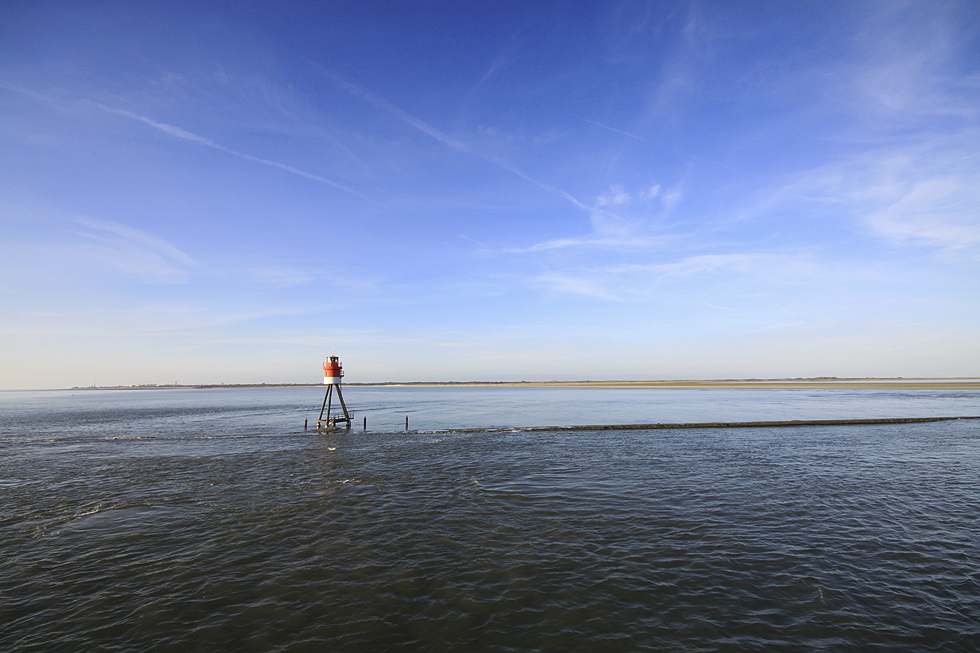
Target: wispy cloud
x=632 y=282
x=505 y=57
x=912 y=69
x=931 y=338
x=625 y=241
x=564 y=283
x=439 y=136
x=911 y=174
x=134 y=251
x=925 y=194
x=721 y=308
x=282 y=276
x=189 y=136
x=620 y=220
x=934 y=212
x=776 y=267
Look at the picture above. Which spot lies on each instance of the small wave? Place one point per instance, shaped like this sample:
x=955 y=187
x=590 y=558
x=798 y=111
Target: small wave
x=347 y=487
x=60 y=523
x=17 y=482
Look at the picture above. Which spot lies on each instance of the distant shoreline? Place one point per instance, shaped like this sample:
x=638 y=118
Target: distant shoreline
x=896 y=383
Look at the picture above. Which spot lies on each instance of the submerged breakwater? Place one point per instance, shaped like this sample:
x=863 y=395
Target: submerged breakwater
x=723 y=425
x=191 y=522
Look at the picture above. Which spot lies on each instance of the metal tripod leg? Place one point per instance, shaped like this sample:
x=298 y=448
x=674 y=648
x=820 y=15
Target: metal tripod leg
x=326 y=397
x=344 y=406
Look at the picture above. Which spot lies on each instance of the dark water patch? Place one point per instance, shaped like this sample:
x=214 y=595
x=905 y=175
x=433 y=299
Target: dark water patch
x=816 y=538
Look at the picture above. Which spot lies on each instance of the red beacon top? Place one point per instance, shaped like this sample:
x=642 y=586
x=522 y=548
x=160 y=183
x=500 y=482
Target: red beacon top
x=333 y=371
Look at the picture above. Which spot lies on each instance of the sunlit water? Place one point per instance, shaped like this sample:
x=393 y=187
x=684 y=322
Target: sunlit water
x=205 y=520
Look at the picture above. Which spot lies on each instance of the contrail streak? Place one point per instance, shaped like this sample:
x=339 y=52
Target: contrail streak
x=188 y=136
x=640 y=138
x=612 y=129
x=919 y=342
x=434 y=133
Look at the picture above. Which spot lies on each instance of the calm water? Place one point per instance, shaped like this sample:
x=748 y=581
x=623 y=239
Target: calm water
x=195 y=520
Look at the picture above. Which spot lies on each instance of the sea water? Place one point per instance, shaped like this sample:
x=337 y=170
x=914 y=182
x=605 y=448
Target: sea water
x=206 y=520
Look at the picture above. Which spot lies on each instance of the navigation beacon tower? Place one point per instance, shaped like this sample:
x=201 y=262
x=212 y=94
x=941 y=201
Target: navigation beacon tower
x=333 y=372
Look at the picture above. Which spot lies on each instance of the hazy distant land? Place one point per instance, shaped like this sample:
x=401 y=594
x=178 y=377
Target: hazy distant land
x=956 y=383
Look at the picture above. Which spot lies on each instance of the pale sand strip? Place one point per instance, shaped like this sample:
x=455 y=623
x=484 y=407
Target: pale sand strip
x=768 y=384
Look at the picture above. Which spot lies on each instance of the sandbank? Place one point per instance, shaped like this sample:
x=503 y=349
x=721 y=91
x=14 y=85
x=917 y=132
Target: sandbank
x=758 y=384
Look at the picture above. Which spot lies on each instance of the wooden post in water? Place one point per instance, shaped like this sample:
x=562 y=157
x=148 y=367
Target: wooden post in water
x=304 y=424
x=365 y=423
x=406 y=422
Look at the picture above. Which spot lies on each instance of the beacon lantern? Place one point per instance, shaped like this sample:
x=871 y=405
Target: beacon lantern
x=333 y=371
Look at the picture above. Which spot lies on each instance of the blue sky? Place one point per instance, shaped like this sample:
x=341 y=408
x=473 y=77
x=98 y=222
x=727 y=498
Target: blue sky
x=455 y=191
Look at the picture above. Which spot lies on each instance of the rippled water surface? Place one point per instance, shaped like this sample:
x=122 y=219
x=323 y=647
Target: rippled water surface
x=201 y=520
